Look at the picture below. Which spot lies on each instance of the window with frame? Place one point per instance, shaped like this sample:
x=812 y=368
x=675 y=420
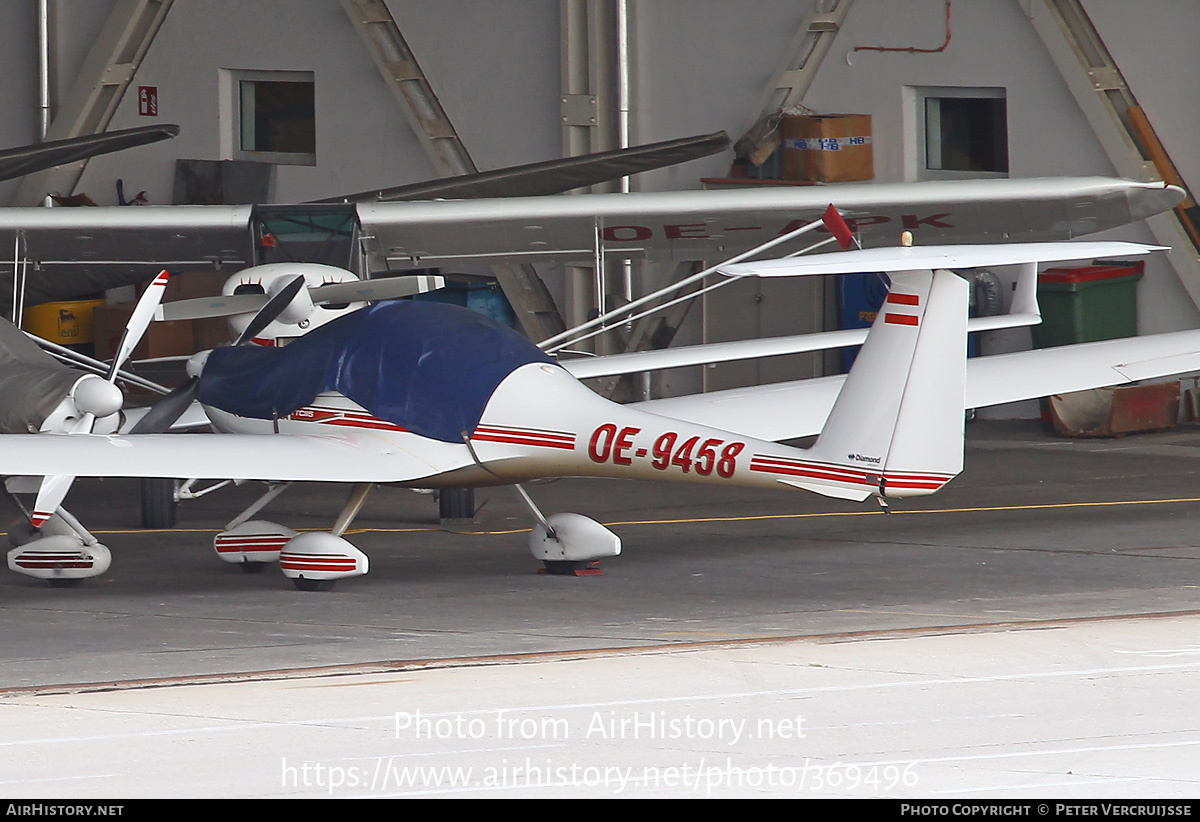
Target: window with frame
x=962 y=133
x=275 y=117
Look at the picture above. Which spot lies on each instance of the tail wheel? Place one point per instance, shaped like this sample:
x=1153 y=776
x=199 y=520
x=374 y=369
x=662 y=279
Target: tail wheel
x=158 y=503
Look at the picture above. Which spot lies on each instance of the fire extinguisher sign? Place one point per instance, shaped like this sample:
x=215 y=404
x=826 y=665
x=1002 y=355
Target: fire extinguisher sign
x=148 y=101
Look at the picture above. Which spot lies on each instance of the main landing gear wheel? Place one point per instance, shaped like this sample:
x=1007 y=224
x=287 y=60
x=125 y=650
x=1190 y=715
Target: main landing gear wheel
x=456 y=504
x=253 y=567
x=303 y=584
x=63 y=582
x=158 y=503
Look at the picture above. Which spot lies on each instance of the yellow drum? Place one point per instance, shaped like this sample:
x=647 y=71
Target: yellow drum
x=66 y=323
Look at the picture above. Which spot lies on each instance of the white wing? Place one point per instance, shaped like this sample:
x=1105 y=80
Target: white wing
x=353 y=457
x=799 y=409
x=684 y=225
x=692 y=225
x=638 y=361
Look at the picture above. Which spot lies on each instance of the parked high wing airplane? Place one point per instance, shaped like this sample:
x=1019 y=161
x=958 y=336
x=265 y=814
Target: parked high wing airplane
x=111 y=246
x=82 y=251
x=428 y=395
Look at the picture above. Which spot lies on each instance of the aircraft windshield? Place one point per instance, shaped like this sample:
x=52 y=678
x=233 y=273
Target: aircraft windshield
x=427 y=367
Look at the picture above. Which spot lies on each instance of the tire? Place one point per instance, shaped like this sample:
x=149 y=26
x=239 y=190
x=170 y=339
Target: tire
x=303 y=584
x=456 y=503
x=158 y=503
x=565 y=567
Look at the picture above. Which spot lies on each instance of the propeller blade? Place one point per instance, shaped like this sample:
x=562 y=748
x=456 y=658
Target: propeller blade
x=170 y=408
x=139 y=321
x=274 y=307
x=387 y=288
x=51 y=494
x=203 y=307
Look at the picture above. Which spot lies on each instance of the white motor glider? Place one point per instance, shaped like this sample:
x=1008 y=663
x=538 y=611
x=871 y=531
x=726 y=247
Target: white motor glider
x=429 y=395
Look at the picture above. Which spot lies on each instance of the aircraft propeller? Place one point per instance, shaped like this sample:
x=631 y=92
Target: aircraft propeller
x=96 y=397
x=171 y=407
x=330 y=293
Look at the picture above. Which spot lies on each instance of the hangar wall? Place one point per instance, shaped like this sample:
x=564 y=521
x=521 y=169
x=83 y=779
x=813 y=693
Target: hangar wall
x=700 y=66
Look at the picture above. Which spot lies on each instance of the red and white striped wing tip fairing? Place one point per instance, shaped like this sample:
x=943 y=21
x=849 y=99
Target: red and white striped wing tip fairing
x=321 y=556
x=59 y=557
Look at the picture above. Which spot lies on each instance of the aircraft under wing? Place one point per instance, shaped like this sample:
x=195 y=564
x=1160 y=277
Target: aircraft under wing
x=352 y=457
x=85 y=250
x=81 y=251
x=636 y=362
x=799 y=409
x=694 y=225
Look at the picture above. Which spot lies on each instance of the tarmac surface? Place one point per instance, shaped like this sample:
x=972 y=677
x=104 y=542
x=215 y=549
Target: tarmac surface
x=1086 y=540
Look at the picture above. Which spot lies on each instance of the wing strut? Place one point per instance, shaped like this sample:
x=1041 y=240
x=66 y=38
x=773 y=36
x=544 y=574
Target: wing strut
x=574 y=335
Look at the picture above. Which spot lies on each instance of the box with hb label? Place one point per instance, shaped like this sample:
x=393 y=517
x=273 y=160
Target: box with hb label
x=827 y=148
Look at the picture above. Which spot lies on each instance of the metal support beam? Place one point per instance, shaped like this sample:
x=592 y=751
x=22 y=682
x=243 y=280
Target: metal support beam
x=803 y=57
x=395 y=61
x=89 y=106
x=589 y=79
x=1096 y=83
x=373 y=21
x=793 y=77
x=587 y=37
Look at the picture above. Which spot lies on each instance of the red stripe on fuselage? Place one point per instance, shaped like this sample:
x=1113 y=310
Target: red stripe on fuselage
x=525 y=436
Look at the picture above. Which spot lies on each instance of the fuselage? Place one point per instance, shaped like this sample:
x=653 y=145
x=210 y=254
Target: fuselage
x=542 y=422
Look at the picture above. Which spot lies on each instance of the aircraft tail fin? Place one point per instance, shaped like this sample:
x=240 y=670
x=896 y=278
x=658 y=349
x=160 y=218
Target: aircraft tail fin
x=896 y=428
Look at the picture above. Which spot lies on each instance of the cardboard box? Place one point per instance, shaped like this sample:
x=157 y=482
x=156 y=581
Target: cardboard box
x=162 y=339
x=189 y=285
x=827 y=148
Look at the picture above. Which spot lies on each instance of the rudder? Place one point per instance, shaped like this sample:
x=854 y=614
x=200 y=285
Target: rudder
x=896 y=428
